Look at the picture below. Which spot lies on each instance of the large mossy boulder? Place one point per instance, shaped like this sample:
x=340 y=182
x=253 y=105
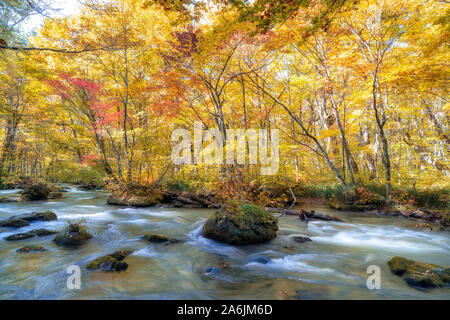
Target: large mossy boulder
x=419 y=274
x=35 y=191
x=110 y=262
x=44 y=216
x=241 y=224
x=135 y=195
x=73 y=235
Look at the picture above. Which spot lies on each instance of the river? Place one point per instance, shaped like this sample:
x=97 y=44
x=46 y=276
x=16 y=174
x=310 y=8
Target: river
x=332 y=266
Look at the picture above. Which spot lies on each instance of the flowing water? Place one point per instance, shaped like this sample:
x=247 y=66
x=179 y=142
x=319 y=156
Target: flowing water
x=332 y=266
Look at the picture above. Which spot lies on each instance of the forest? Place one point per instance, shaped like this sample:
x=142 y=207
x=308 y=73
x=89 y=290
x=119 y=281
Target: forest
x=355 y=92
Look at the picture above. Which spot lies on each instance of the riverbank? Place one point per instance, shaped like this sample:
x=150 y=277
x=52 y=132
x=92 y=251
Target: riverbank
x=429 y=207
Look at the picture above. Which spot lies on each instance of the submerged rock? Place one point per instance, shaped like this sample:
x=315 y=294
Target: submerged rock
x=209 y=271
x=30 y=234
x=72 y=235
x=20 y=236
x=37 y=216
x=121 y=266
x=261 y=260
x=32 y=248
x=419 y=274
x=241 y=224
x=159 y=238
x=110 y=262
x=43 y=232
x=14 y=223
x=301 y=239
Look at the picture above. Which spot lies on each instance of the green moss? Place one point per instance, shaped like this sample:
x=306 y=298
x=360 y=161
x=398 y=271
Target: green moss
x=419 y=274
x=241 y=224
x=158 y=238
x=72 y=235
x=136 y=196
x=103 y=263
x=121 y=254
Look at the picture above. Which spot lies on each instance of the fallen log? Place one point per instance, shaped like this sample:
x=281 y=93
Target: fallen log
x=305 y=215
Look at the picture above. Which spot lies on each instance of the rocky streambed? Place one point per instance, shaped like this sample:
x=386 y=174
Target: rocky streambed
x=161 y=253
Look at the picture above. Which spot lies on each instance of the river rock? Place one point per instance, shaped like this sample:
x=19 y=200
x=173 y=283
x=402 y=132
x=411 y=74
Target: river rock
x=37 y=216
x=8 y=199
x=110 y=262
x=301 y=239
x=20 y=236
x=87 y=186
x=133 y=200
x=419 y=274
x=54 y=195
x=241 y=224
x=261 y=260
x=121 y=254
x=106 y=263
x=31 y=248
x=121 y=266
x=30 y=234
x=35 y=191
x=60 y=189
x=72 y=235
x=14 y=223
x=43 y=232
x=159 y=238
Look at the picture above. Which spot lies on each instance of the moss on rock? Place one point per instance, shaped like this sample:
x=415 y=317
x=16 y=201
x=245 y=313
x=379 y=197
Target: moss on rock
x=72 y=235
x=43 y=232
x=14 y=223
x=20 y=236
x=121 y=254
x=149 y=200
x=35 y=191
x=158 y=238
x=419 y=274
x=110 y=262
x=102 y=263
x=37 y=216
x=241 y=224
